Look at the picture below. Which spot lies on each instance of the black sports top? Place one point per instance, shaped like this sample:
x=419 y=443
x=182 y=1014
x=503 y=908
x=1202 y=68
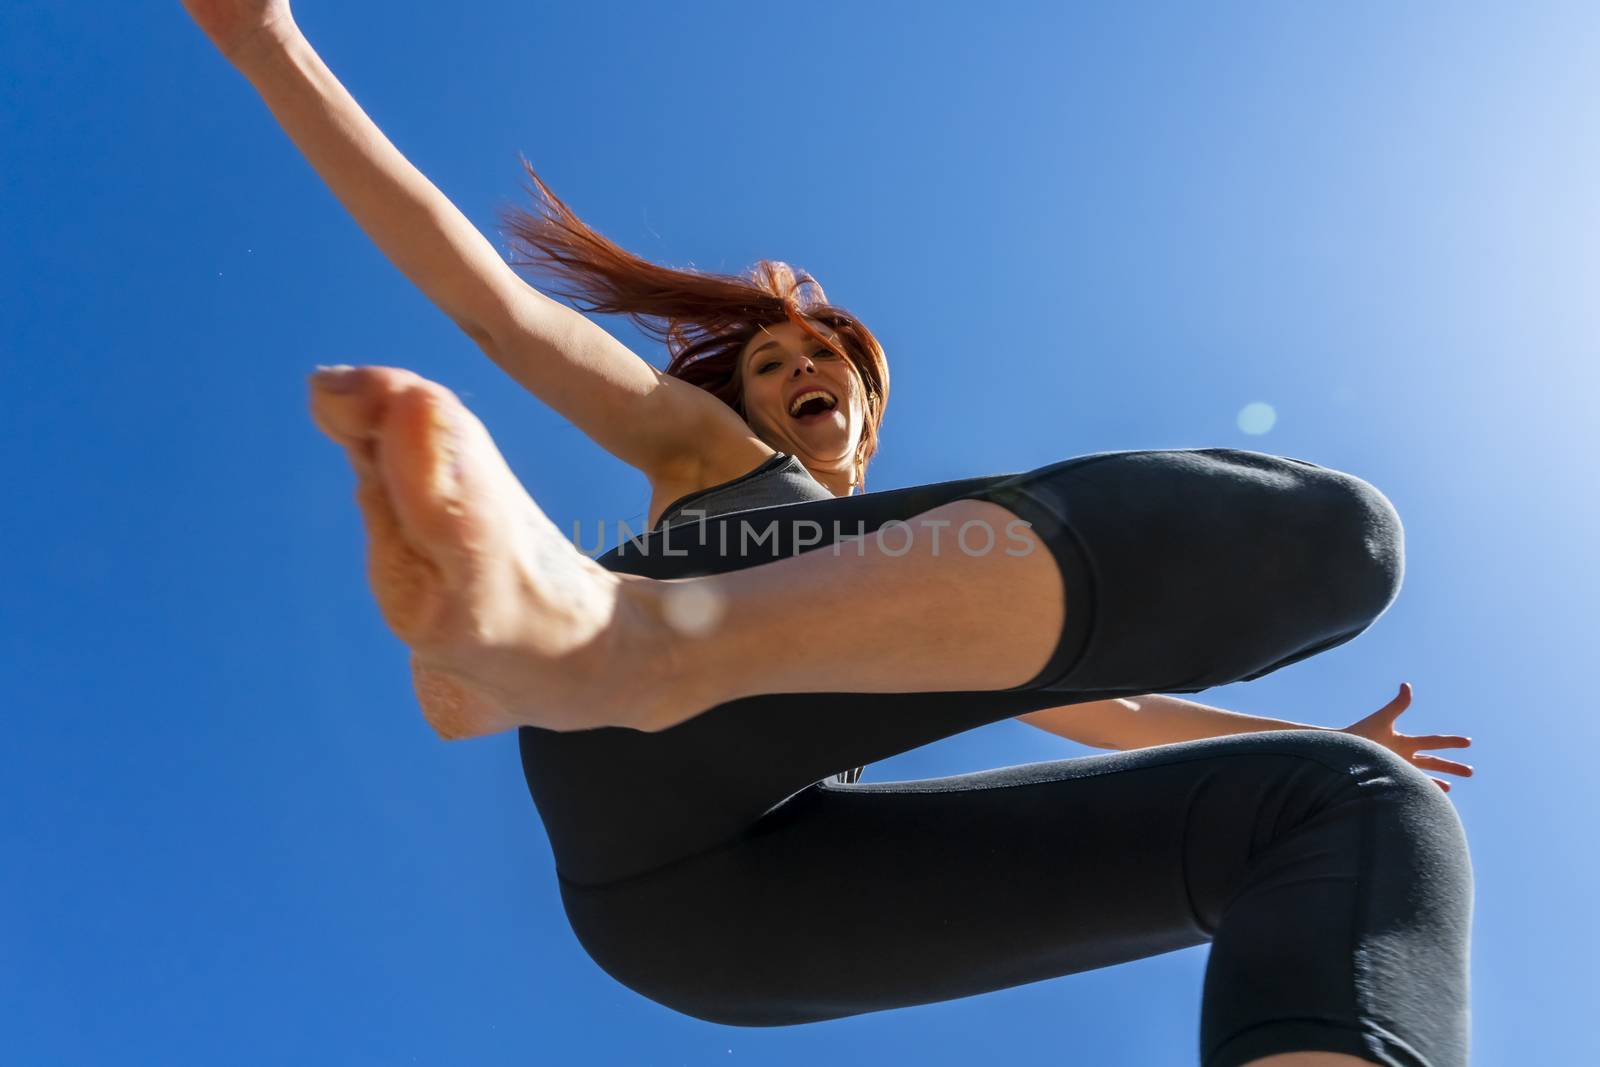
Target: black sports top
x=781 y=479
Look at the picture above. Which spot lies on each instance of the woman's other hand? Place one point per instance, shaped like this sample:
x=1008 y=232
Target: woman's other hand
x=1379 y=727
x=233 y=24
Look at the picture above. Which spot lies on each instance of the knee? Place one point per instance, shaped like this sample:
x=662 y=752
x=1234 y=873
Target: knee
x=1402 y=804
x=1342 y=527
x=1413 y=845
x=1377 y=539
x=679 y=955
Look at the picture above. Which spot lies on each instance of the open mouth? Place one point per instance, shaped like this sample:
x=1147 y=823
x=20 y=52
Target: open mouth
x=812 y=405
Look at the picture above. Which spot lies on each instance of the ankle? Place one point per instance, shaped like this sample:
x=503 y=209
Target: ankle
x=670 y=645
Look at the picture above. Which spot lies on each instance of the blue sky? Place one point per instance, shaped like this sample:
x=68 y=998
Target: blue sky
x=231 y=838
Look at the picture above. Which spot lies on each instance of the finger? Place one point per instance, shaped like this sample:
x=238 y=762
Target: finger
x=1434 y=763
x=1442 y=784
x=1399 y=704
x=1442 y=741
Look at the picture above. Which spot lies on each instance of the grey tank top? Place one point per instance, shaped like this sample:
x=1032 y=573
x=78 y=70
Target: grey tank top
x=782 y=479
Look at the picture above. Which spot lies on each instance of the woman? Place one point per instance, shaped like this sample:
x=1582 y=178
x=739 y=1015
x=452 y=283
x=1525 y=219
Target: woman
x=682 y=701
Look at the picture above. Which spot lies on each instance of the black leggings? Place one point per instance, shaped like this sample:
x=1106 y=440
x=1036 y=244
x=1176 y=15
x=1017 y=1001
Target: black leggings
x=709 y=868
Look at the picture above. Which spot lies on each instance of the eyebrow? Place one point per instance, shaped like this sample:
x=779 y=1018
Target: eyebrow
x=754 y=352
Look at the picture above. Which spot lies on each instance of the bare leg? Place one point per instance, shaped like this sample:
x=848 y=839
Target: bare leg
x=509 y=624
x=903 y=611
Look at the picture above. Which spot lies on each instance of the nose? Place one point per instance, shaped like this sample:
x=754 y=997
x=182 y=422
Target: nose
x=805 y=366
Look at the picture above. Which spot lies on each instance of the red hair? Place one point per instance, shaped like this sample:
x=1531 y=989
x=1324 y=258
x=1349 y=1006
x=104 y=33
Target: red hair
x=704 y=319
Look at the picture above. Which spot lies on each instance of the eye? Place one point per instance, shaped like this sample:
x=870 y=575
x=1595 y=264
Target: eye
x=767 y=366
x=826 y=353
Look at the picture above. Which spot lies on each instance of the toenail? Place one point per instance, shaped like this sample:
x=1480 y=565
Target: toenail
x=340 y=378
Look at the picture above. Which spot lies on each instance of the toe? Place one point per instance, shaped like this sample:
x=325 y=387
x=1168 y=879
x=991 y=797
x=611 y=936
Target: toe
x=451 y=488
x=420 y=458
x=405 y=581
x=398 y=431
x=347 y=402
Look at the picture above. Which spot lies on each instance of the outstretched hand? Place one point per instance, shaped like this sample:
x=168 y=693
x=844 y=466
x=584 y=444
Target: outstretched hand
x=231 y=24
x=1379 y=727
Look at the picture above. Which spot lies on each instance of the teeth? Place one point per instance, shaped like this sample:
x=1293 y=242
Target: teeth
x=803 y=397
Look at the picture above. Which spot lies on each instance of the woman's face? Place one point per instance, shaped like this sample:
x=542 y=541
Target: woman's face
x=782 y=372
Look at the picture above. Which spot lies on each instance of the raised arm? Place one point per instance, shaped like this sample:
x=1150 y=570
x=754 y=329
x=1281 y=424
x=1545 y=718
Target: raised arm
x=656 y=423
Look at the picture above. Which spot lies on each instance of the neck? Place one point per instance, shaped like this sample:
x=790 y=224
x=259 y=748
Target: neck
x=838 y=483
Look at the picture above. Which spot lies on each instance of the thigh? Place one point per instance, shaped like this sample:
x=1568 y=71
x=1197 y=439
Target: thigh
x=1184 y=569
x=851 y=899
x=1205 y=566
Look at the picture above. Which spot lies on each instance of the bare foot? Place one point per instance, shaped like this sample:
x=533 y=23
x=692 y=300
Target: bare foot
x=508 y=623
